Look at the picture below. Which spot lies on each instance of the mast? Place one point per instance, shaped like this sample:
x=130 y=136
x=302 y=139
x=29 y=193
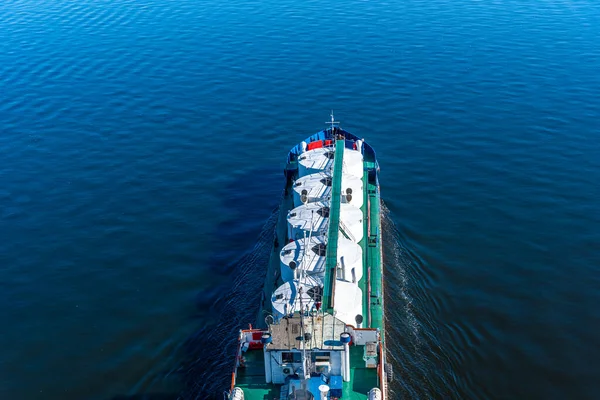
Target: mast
x=302 y=279
x=332 y=122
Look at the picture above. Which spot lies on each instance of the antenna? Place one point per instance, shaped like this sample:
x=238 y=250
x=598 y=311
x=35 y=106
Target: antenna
x=333 y=122
x=304 y=369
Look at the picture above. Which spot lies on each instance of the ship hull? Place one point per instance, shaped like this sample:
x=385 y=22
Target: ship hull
x=363 y=377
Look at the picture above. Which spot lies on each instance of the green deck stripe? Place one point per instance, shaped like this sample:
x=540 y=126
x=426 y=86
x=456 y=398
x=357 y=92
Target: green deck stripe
x=333 y=231
x=364 y=246
x=374 y=259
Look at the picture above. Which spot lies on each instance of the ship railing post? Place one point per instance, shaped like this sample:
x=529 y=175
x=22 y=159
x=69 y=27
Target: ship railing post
x=345 y=339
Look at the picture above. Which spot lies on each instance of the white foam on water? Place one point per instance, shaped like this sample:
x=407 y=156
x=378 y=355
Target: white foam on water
x=396 y=266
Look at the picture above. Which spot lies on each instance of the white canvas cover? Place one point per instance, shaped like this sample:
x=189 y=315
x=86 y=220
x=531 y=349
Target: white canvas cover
x=321 y=159
x=353 y=163
x=313 y=161
x=286 y=298
x=351 y=222
x=306 y=255
x=317 y=187
x=312 y=217
x=347 y=302
x=349 y=255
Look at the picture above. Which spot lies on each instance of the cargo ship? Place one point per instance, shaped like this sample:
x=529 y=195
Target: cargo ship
x=319 y=332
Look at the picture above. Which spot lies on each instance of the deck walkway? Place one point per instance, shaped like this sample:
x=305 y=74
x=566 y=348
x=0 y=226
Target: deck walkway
x=333 y=232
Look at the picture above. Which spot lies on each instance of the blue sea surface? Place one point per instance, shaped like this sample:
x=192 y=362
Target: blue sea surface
x=141 y=148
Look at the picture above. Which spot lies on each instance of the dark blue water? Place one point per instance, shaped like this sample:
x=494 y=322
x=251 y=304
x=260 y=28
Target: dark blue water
x=141 y=146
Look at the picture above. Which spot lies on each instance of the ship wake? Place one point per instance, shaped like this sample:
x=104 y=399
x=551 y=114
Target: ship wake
x=211 y=351
x=414 y=347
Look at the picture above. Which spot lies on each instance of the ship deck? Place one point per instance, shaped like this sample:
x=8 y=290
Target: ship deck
x=251 y=378
x=325 y=332
x=370 y=244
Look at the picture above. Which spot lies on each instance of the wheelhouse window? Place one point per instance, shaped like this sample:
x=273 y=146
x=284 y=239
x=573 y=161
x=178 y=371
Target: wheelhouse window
x=318 y=356
x=289 y=357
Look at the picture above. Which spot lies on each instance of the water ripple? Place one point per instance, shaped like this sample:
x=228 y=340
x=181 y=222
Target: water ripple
x=124 y=151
